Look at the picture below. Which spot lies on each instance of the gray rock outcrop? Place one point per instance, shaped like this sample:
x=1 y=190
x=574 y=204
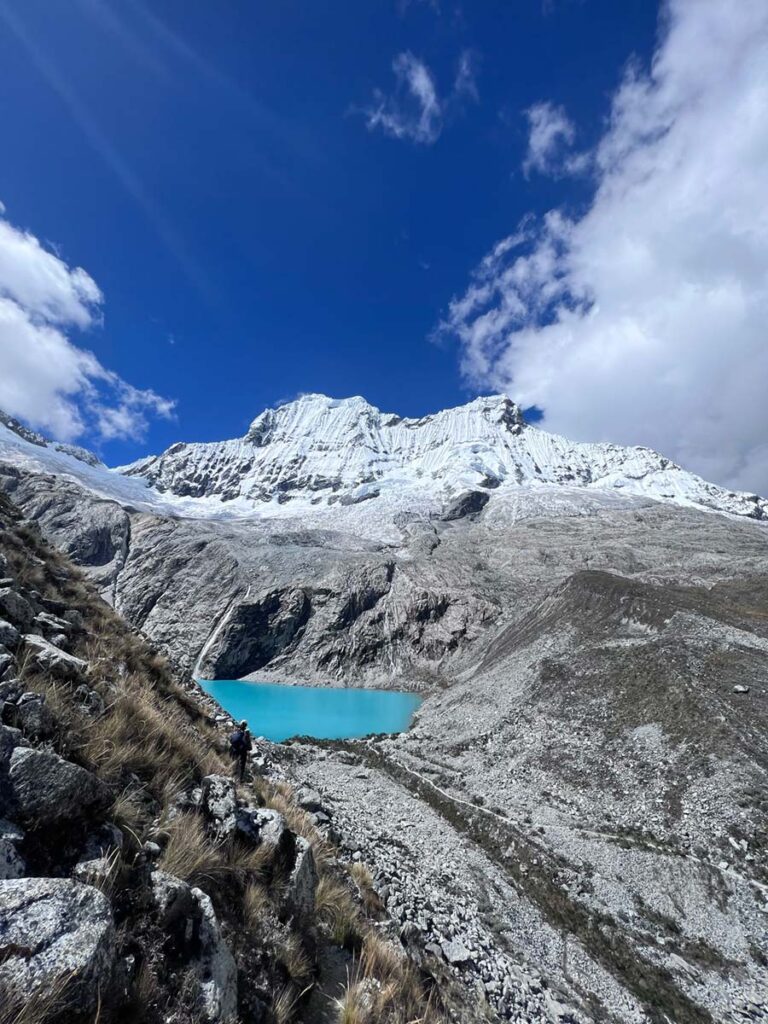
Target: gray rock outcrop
x=186 y=914
x=56 y=934
x=12 y=864
x=15 y=608
x=302 y=883
x=49 y=791
x=51 y=659
x=218 y=802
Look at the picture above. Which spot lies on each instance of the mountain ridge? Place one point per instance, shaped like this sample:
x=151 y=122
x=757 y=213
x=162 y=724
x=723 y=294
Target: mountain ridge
x=317 y=452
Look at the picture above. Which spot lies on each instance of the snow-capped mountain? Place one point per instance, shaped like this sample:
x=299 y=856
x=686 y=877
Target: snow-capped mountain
x=323 y=451
x=318 y=454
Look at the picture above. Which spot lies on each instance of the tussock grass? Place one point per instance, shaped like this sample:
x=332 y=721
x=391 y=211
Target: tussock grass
x=194 y=856
x=380 y=959
x=285 y=1003
x=296 y=961
x=146 y=735
x=257 y=905
x=41 y=1007
x=336 y=909
x=190 y=854
x=299 y=821
x=363 y=879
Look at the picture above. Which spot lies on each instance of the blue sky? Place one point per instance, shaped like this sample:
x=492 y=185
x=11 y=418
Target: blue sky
x=254 y=228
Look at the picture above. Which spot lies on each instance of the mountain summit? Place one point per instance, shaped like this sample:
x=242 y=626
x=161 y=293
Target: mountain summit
x=318 y=453
x=325 y=451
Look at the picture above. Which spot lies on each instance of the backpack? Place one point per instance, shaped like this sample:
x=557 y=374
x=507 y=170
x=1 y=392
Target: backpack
x=237 y=741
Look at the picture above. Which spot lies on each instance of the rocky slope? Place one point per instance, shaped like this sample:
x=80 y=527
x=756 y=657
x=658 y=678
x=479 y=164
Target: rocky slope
x=576 y=826
x=137 y=881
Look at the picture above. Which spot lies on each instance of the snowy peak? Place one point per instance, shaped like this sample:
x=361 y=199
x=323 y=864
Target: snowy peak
x=31 y=436
x=321 y=451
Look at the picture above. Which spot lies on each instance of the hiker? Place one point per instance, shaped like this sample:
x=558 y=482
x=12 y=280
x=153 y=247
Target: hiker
x=240 y=746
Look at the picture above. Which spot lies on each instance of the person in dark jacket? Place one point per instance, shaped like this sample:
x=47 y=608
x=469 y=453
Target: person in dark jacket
x=240 y=746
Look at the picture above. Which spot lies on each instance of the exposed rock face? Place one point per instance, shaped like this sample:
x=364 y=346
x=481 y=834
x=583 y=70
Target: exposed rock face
x=55 y=931
x=467 y=504
x=215 y=966
x=218 y=801
x=12 y=864
x=47 y=790
x=188 y=916
x=9 y=635
x=14 y=607
x=302 y=883
x=53 y=660
x=33 y=717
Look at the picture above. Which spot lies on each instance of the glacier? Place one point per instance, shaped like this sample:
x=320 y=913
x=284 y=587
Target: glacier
x=344 y=463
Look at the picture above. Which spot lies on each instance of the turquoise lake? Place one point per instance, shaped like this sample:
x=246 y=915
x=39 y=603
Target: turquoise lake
x=278 y=712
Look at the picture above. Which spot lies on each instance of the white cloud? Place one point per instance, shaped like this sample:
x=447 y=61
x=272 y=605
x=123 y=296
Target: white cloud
x=415 y=110
x=644 y=320
x=45 y=378
x=551 y=136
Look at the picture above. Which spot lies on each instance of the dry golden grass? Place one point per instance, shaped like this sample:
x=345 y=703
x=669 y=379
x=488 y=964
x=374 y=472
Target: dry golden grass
x=363 y=879
x=129 y=814
x=285 y=1003
x=354 y=1007
x=106 y=877
x=17 y=1007
x=274 y=795
x=296 y=961
x=256 y=905
x=190 y=854
x=380 y=959
x=198 y=858
x=336 y=909
x=146 y=734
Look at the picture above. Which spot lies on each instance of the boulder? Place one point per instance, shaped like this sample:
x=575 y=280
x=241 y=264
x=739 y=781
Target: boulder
x=264 y=825
x=53 y=660
x=309 y=799
x=9 y=635
x=48 y=624
x=54 y=931
x=10 y=690
x=218 y=802
x=97 y=859
x=299 y=897
x=7 y=664
x=175 y=907
x=740 y=689
x=12 y=864
x=455 y=952
x=90 y=701
x=15 y=608
x=33 y=716
x=47 y=790
x=10 y=739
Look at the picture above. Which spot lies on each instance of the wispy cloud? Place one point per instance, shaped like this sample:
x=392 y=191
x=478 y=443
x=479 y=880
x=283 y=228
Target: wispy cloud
x=47 y=379
x=550 y=141
x=643 y=321
x=415 y=111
